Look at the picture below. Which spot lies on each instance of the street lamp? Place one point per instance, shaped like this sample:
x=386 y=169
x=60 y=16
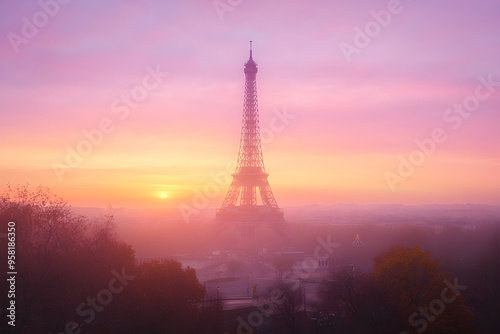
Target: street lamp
x=305 y=309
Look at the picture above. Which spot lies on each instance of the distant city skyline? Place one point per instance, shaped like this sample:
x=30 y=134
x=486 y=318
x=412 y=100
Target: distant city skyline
x=140 y=104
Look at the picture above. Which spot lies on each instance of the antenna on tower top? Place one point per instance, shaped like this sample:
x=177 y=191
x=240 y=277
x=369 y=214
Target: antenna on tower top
x=250 y=49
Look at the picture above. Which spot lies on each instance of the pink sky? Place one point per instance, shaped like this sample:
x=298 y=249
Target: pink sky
x=351 y=119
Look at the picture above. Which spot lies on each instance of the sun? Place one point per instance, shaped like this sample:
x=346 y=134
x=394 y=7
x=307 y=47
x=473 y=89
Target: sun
x=163 y=196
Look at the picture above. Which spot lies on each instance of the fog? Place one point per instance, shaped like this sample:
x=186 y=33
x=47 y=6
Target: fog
x=463 y=238
x=323 y=269
x=160 y=233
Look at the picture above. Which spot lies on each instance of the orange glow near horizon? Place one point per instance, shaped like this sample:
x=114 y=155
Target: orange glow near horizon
x=332 y=130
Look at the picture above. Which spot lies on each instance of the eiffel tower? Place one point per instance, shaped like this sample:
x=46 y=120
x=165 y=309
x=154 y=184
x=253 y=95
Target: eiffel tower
x=241 y=204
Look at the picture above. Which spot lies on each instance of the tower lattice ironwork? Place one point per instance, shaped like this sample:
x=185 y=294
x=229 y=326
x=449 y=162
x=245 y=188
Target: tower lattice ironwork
x=250 y=177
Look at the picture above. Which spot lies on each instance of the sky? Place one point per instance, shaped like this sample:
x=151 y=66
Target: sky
x=139 y=104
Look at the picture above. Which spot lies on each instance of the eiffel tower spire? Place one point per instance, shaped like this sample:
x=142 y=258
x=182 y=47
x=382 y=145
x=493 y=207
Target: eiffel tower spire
x=250 y=176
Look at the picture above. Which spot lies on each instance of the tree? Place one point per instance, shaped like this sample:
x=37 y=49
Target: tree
x=61 y=259
x=165 y=298
x=406 y=292
x=75 y=276
x=485 y=286
x=362 y=302
x=426 y=297
x=288 y=306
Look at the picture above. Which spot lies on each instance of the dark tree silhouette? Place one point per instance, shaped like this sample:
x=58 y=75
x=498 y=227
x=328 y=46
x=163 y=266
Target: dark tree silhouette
x=75 y=276
x=407 y=291
x=287 y=306
x=165 y=298
x=484 y=291
x=61 y=259
x=361 y=302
